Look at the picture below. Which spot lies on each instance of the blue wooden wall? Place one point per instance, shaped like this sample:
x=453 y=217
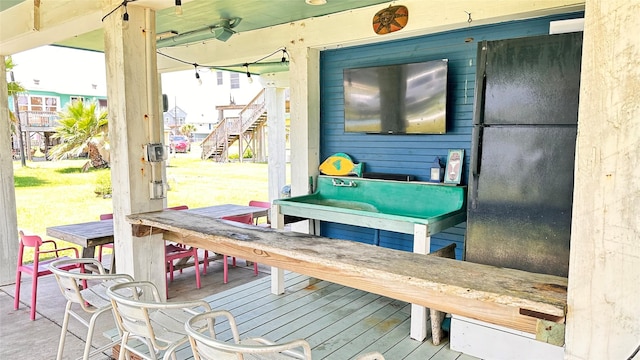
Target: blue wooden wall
x=411 y=154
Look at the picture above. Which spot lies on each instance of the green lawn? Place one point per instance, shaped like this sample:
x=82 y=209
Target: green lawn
x=57 y=193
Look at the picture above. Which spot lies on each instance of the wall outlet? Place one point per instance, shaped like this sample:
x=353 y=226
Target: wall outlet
x=156 y=153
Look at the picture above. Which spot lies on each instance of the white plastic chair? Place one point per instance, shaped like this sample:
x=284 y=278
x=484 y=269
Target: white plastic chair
x=142 y=315
x=92 y=299
x=205 y=345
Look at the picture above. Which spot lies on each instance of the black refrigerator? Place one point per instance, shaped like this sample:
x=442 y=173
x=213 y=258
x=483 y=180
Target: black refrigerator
x=523 y=153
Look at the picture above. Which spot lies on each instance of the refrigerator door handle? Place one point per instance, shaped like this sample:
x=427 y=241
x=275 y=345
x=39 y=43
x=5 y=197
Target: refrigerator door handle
x=478 y=110
x=476 y=143
x=476 y=156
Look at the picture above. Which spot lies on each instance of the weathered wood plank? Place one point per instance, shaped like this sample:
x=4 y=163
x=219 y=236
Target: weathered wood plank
x=371 y=330
x=319 y=317
x=354 y=323
x=325 y=319
x=494 y=295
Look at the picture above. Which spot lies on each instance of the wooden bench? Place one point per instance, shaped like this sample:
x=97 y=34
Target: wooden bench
x=511 y=298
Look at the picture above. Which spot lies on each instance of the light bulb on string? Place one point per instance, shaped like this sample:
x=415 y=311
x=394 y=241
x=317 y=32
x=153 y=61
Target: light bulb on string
x=197 y=74
x=284 y=52
x=125 y=17
x=249 y=79
x=178 y=7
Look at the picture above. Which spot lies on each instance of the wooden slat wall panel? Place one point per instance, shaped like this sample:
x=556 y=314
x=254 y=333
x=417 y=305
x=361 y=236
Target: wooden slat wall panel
x=411 y=154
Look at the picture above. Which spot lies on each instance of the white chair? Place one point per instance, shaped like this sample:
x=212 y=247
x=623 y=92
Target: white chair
x=92 y=299
x=141 y=315
x=205 y=345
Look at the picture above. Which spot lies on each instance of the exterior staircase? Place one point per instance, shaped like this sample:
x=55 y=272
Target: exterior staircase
x=231 y=129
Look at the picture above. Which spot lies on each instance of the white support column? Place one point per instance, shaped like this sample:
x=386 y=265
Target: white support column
x=421 y=245
x=132 y=84
x=305 y=121
x=8 y=214
x=277 y=274
x=276 y=103
x=603 y=318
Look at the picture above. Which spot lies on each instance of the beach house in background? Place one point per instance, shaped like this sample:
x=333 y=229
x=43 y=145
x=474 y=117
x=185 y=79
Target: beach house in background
x=39 y=106
x=223 y=93
x=174 y=118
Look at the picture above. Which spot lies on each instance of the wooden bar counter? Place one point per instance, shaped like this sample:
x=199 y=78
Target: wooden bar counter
x=511 y=298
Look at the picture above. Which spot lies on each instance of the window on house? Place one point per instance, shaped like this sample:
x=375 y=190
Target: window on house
x=235 y=80
x=38 y=103
x=219 y=77
x=51 y=104
x=23 y=103
x=77 y=98
x=35 y=103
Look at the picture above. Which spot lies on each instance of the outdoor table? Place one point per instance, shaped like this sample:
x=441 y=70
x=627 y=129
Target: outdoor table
x=88 y=235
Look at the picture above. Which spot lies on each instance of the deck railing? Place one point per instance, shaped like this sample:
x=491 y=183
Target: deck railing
x=230 y=129
x=39 y=119
x=252 y=111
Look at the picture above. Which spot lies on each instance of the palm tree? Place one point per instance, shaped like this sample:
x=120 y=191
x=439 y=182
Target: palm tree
x=14 y=88
x=187 y=129
x=82 y=128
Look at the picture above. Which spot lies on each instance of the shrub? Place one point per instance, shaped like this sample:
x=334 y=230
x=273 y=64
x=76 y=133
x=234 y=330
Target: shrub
x=103 y=184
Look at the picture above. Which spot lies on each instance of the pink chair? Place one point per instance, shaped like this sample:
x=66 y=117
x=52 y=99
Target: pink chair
x=179 y=207
x=245 y=219
x=205 y=263
x=38 y=267
x=173 y=251
x=109 y=246
x=262 y=204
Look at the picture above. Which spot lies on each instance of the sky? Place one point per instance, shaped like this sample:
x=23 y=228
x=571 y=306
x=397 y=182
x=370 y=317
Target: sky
x=67 y=70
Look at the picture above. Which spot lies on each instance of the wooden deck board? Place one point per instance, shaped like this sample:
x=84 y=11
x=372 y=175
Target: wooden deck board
x=302 y=327
x=372 y=329
x=339 y=322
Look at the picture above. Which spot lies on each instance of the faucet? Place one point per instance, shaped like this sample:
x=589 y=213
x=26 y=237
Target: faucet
x=342 y=183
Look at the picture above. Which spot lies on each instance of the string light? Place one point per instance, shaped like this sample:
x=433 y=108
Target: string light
x=197 y=74
x=283 y=60
x=125 y=16
x=249 y=79
x=178 y=7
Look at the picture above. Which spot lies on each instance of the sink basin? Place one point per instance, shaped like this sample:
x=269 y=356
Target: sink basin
x=344 y=204
x=381 y=204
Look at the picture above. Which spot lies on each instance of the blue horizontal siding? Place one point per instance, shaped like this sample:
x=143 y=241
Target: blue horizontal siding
x=411 y=154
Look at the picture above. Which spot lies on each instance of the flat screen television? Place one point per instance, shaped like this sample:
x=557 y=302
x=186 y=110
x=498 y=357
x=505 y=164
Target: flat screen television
x=396 y=99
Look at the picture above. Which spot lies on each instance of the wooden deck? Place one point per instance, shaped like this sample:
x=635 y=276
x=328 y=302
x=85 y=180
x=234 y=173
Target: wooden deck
x=339 y=322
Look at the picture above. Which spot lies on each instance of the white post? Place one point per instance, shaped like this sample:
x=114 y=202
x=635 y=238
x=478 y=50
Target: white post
x=421 y=245
x=277 y=274
x=132 y=88
x=305 y=121
x=603 y=318
x=8 y=215
x=276 y=103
